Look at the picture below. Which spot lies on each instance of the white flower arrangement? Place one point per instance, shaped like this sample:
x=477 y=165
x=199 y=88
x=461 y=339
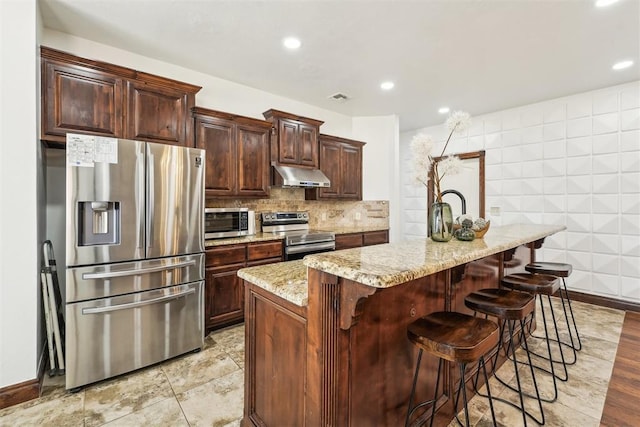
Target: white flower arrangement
x=423 y=161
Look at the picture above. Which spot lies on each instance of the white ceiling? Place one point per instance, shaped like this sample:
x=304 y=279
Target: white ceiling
x=474 y=55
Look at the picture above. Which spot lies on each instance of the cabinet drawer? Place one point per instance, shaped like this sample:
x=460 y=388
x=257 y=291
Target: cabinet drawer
x=346 y=241
x=375 y=238
x=264 y=250
x=223 y=255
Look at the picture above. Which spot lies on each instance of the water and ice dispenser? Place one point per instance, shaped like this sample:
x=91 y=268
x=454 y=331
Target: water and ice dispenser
x=99 y=223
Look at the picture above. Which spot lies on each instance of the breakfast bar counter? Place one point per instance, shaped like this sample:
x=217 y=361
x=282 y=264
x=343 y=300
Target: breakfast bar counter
x=338 y=355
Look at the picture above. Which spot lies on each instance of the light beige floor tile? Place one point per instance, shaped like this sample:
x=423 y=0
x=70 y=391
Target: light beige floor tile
x=65 y=409
x=121 y=396
x=209 y=387
x=164 y=413
x=216 y=403
x=198 y=368
x=230 y=339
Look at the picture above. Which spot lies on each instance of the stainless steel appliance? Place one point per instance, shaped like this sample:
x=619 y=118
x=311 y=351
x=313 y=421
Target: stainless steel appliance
x=228 y=222
x=134 y=255
x=299 y=240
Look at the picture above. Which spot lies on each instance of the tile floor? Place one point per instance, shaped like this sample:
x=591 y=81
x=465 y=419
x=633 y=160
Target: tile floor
x=206 y=388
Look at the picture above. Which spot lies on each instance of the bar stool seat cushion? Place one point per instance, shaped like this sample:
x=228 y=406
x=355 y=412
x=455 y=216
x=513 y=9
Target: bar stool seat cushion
x=557 y=269
x=501 y=303
x=533 y=283
x=453 y=336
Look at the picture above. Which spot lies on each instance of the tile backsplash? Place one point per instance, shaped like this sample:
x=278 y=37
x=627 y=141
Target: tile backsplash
x=322 y=214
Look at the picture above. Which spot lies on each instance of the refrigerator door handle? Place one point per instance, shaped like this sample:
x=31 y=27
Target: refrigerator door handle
x=137 y=271
x=106 y=309
x=150 y=198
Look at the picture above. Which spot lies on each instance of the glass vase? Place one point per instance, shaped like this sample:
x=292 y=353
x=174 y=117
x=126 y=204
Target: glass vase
x=441 y=222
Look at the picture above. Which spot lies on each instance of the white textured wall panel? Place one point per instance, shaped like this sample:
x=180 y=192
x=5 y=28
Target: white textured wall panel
x=572 y=161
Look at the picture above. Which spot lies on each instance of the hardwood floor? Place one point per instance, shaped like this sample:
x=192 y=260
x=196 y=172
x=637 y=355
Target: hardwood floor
x=620 y=407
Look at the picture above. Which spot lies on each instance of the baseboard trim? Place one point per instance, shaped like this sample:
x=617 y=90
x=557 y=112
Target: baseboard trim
x=604 y=301
x=24 y=391
x=18 y=393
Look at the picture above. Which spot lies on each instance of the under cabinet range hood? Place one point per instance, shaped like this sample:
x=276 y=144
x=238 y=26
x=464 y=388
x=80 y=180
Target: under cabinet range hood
x=301 y=177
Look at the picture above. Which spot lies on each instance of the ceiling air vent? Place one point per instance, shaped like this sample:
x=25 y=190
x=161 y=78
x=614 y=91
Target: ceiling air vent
x=340 y=97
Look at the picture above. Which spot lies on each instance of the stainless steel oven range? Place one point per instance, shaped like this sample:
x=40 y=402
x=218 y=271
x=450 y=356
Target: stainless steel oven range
x=299 y=240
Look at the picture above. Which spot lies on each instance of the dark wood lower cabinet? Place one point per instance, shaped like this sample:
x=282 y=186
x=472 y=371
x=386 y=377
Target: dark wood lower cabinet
x=356 y=240
x=224 y=291
x=224 y=296
x=344 y=359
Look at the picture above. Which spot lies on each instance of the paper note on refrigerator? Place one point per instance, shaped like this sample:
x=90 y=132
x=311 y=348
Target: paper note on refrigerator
x=86 y=150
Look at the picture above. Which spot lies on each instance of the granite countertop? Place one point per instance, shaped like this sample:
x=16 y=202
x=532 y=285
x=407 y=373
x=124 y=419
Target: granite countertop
x=361 y=229
x=391 y=264
x=287 y=280
x=263 y=237
x=258 y=237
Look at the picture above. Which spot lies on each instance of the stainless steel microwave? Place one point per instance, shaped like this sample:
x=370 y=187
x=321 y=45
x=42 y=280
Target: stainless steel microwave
x=228 y=222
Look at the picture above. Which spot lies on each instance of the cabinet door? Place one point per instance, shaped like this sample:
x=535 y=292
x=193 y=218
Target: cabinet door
x=351 y=172
x=330 y=165
x=217 y=137
x=253 y=161
x=287 y=142
x=157 y=114
x=76 y=99
x=308 y=145
x=224 y=296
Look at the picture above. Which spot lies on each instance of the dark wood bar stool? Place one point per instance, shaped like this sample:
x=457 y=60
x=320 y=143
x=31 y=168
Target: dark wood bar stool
x=453 y=337
x=562 y=271
x=510 y=307
x=541 y=285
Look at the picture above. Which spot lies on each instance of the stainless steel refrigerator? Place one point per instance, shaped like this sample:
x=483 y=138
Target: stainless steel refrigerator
x=134 y=255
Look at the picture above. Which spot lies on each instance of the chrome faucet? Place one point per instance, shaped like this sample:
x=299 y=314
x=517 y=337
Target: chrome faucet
x=462 y=199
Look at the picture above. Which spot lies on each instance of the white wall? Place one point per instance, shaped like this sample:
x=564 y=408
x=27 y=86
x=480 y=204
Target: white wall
x=20 y=173
x=216 y=93
x=380 y=161
x=573 y=161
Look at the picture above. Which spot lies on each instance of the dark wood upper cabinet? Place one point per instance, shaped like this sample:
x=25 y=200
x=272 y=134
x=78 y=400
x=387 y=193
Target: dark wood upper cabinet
x=79 y=99
x=295 y=139
x=253 y=159
x=159 y=113
x=237 y=148
x=341 y=160
x=98 y=98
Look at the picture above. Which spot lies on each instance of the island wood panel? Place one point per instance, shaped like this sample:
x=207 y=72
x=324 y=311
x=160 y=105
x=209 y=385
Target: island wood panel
x=370 y=364
x=383 y=359
x=620 y=408
x=359 y=361
x=275 y=362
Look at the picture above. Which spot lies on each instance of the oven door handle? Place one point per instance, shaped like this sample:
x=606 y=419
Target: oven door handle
x=129 y=305
x=137 y=271
x=306 y=248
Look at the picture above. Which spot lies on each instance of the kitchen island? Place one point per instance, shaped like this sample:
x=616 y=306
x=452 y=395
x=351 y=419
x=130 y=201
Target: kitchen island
x=332 y=350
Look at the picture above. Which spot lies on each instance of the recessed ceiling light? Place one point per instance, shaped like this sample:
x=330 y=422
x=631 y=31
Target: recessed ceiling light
x=622 y=65
x=291 y=43
x=605 y=3
x=443 y=110
x=387 y=85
